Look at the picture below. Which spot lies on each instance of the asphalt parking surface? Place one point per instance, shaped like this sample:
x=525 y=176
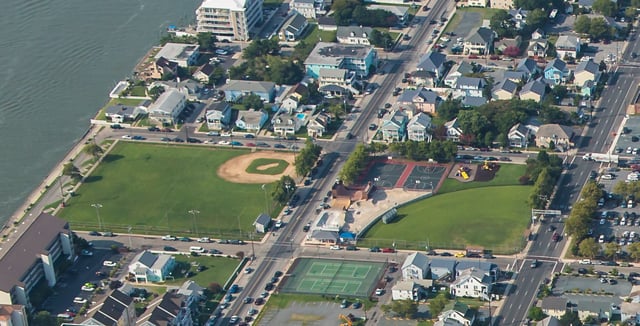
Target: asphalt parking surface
x=625 y=140
x=568 y=283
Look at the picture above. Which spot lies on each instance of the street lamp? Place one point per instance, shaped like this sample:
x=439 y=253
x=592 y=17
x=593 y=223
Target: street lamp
x=97 y=207
x=193 y=213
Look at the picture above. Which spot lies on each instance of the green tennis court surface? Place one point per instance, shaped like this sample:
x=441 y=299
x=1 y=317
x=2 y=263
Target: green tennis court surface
x=333 y=277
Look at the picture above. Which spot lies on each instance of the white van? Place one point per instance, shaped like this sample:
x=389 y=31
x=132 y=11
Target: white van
x=199 y=250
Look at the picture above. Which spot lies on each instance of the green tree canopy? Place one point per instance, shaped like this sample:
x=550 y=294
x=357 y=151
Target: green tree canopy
x=501 y=22
x=283 y=189
x=582 y=24
x=589 y=248
x=605 y=7
x=69 y=169
x=93 y=149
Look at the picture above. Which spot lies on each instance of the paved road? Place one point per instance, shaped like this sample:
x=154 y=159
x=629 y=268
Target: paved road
x=597 y=138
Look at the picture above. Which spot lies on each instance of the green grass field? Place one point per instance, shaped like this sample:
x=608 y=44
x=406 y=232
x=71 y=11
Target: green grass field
x=277 y=169
x=153 y=188
x=458 y=219
x=218 y=269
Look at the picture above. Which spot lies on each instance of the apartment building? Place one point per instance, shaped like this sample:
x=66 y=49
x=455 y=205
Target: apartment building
x=232 y=20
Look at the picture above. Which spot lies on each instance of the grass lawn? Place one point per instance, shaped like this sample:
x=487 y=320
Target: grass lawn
x=272 y=3
x=115 y=101
x=218 y=269
x=486 y=13
x=314 y=34
x=140 y=91
x=480 y=212
x=277 y=169
x=507 y=175
x=152 y=187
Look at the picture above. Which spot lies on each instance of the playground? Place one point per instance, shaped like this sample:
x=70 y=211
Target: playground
x=404 y=174
x=332 y=277
x=485 y=171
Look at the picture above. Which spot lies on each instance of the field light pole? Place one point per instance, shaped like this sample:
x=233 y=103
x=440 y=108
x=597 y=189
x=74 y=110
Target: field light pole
x=129 y=228
x=194 y=213
x=266 y=200
x=97 y=207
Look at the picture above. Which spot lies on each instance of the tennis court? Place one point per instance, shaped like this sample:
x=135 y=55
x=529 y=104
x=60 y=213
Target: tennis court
x=424 y=177
x=333 y=277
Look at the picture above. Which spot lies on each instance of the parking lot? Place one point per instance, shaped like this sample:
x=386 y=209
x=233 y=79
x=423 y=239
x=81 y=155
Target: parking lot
x=625 y=144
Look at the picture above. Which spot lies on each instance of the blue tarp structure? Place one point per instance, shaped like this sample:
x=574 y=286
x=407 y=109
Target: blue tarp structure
x=347 y=235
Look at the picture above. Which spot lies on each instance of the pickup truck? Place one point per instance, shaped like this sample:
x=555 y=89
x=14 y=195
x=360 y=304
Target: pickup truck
x=169 y=238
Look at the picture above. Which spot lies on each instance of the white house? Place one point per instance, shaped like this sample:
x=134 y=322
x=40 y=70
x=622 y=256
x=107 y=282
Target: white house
x=518 y=136
x=418 y=128
x=150 y=267
x=293 y=28
x=251 y=120
x=415 y=267
x=480 y=41
x=218 y=115
x=167 y=107
x=305 y=7
x=567 y=46
x=453 y=130
x=262 y=223
x=459 y=314
x=472 y=283
x=433 y=62
x=203 y=73
x=458 y=70
x=183 y=54
x=404 y=290
x=318 y=125
x=354 y=34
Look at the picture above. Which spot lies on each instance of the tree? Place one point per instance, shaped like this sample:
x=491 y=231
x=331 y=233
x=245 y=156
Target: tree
x=206 y=40
x=260 y=48
x=437 y=305
x=307 y=158
x=354 y=164
x=611 y=249
x=283 y=189
x=93 y=149
x=582 y=24
x=536 y=313
x=537 y=18
x=44 y=318
x=449 y=109
x=501 y=22
x=252 y=101
x=69 y=169
x=599 y=29
x=589 y=248
x=472 y=122
x=630 y=13
x=634 y=250
x=214 y=288
x=155 y=91
x=240 y=254
x=404 y=308
x=511 y=51
x=605 y=7
x=570 y=318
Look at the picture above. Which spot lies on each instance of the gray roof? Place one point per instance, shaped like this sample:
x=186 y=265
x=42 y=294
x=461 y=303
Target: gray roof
x=249 y=86
x=332 y=73
x=443 y=263
x=593 y=303
x=147 y=258
x=189 y=288
x=588 y=66
x=332 y=88
x=207 y=69
x=478 y=265
x=519 y=127
x=514 y=75
x=463 y=67
x=551 y=130
x=481 y=35
x=217 y=106
x=556 y=64
x=173 y=51
x=167 y=310
x=324 y=235
x=534 y=86
x=334 y=53
x=426 y=95
x=353 y=31
x=554 y=303
x=421 y=119
x=304 y=1
x=567 y=42
x=416 y=259
x=167 y=100
x=35 y=240
x=251 y=116
x=163 y=62
x=527 y=65
x=549 y=321
x=396 y=10
x=431 y=61
x=296 y=21
x=506 y=85
x=263 y=219
x=326 y=21
x=113 y=308
x=470 y=82
x=473 y=101
x=120 y=110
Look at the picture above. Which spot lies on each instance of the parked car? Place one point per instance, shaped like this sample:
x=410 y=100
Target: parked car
x=388 y=250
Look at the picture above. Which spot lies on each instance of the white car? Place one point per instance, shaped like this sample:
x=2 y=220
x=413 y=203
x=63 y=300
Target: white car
x=204 y=240
x=109 y=263
x=234 y=319
x=221 y=52
x=601 y=238
x=335 y=247
x=602 y=221
x=127 y=137
x=79 y=300
x=224 y=142
x=169 y=238
x=585 y=262
x=279 y=224
x=88 y=288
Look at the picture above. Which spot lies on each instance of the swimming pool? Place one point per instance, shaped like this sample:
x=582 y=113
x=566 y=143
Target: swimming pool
x=301 y=116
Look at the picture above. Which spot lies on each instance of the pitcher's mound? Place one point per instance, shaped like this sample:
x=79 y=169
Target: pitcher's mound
x=235 y=169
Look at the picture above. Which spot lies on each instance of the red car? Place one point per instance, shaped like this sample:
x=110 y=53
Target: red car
x=250 y=144
x=388 y=250
x=473 y=56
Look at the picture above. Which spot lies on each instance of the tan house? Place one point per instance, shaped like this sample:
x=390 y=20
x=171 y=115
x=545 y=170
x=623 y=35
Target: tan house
x=318 y=125
x=554 y=306
x=423 y=99
x=586 y=71
x=533 y=90
x=505 y=90
x=501 y=4
x=161 y=68
x=204 y=73
x=554 y=133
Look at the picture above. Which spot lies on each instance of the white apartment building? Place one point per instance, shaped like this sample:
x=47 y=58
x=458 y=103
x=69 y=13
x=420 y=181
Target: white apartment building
x=231 y=20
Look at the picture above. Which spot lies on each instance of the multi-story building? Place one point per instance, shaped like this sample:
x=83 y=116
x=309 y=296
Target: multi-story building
x=304 y=7
x=35 y=258
x=358 y=58
x=502 y=4
x=229 y=19
x=13 y=315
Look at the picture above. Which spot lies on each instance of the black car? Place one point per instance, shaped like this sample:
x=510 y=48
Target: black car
x=249 y=136
x=194 y=140
x=95 y=233
x=582 y=271
x=446 y=254
x=153 y=128
x=169 y=248
x=634 y=55
x=116 y=126
x=374 y=249
x=178 y=140
x=277 y=274
x=274 y=280
x=387 y=105
x=269 y=287
x=138 y=138
x=279 y=146
x=258 y=301
x=262 y=144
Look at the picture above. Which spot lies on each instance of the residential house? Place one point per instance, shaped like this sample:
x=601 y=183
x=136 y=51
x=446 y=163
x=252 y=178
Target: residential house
x=285 y=123
x=118 y=309
x=557 y=72
x=262 y=223
x=529 y=67
x=533 y=90
x=586 y=71
x=162 y=68
x=588 y=88
x=218 y=115
x=229 y=20
x=337 y=82
x=554 y=306
x=13 y=315
x=629 y=311
x=473 y=284
x=442 y=268
x=183 y=54
x=502 y=4
x=150 y=267
x=357 y=58
x=394 y=126
x=415 y=267
x=318 y=125
x=327 y=23
x=423 y=78
x=293 y=27
x=487 y=268
x=354 y=35
x=173 y=309
x=538 y=48
x=234 y=90
x=293 y=97
x=191 y=288
x=567 y=46
x=305 y=7
x=189 y=88
x=538 y=34
x=502 y=44
x=518 y=136
x=473 y=3
x=119 y=113
x=454 y=132
x=401 y=12
x=251 y=120
x=419 y=127
x=459 y=314
x=480 y=41
x=504 y=90
x=549 y=321
x=554 y=133
x=433 y=62
x=587 y=4
x=35 y=256
x=405 y=290
x=458 y=70
x=290 y=104
x=519 y=17
x=514 y=76
x=423 y=99
x=167 y=107
x=204 y=73
x=471 y=86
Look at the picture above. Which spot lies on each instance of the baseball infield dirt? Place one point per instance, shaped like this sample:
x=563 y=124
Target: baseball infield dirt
x=234 y=170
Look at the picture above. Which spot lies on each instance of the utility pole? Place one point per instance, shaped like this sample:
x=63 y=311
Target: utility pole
x=129 y=230
x=97 y=207
x=194 y=213
x=61 y=192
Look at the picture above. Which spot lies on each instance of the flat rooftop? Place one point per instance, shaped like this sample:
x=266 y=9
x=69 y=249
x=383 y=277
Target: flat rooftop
x=334 y=53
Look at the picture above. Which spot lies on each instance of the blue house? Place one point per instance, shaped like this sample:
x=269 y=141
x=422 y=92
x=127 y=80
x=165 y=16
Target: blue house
x=357 y=58
x=557 y=72
x=234 y=90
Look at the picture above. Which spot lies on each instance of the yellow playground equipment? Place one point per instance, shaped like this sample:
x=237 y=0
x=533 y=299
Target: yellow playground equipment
x=463 y=172
x=346 y=319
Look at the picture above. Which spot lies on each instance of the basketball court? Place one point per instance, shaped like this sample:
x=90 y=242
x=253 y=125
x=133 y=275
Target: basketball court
x=424 y=177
